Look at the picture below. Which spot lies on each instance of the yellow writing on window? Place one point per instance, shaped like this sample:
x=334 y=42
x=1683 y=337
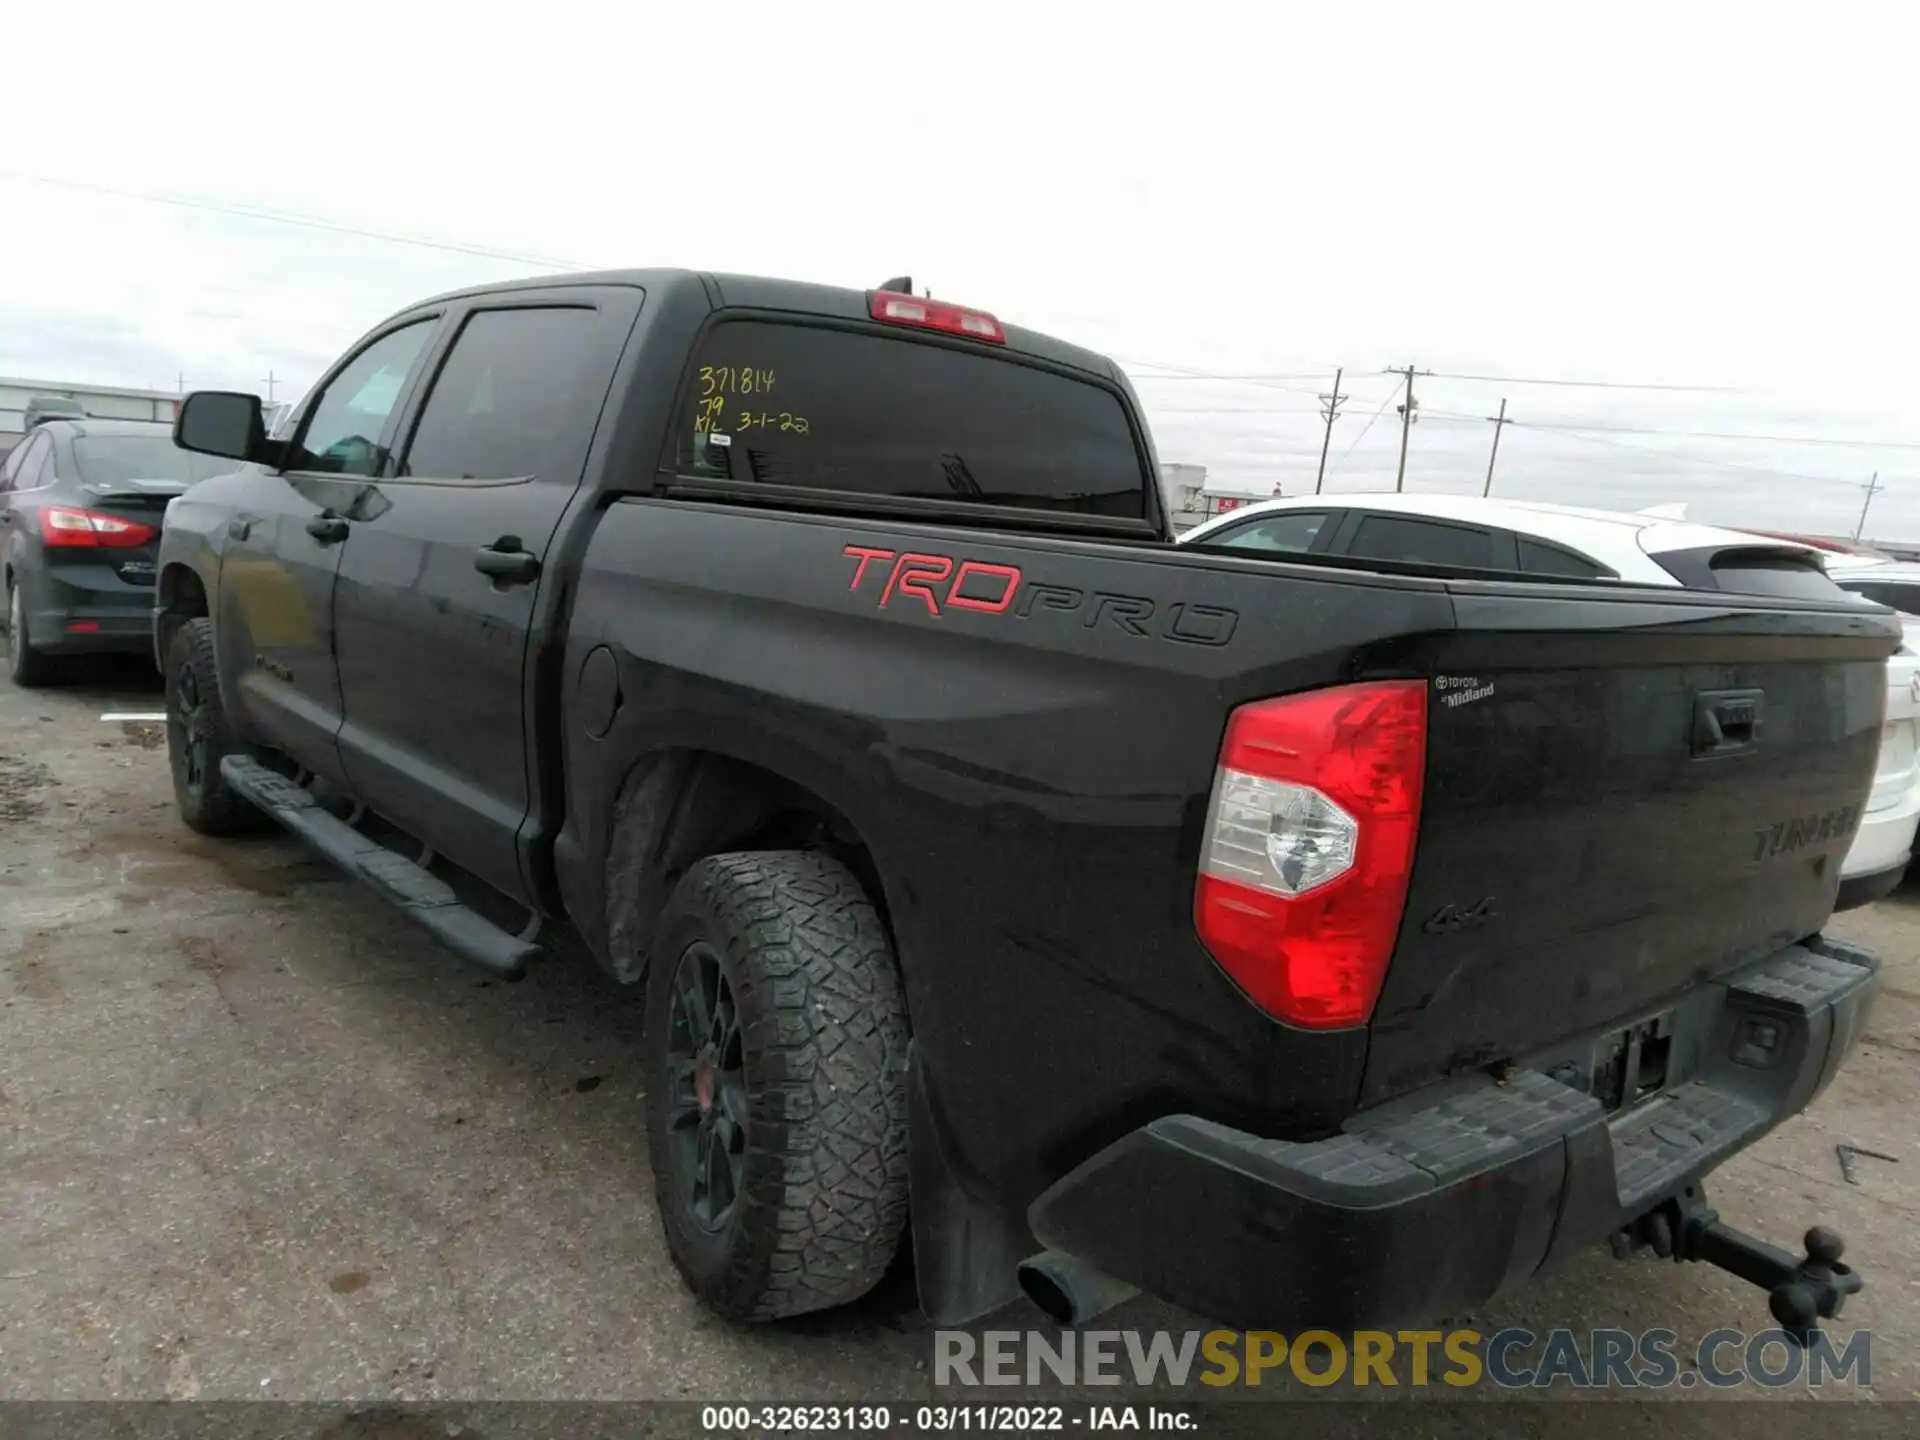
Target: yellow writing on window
x=784 y=420
x=706 y=415
x=734 y=380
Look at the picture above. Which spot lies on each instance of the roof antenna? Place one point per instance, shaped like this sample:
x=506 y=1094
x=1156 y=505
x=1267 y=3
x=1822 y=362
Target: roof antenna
x=900 y=285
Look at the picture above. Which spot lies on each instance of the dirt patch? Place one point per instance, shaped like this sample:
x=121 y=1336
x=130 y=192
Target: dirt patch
x=203 y=958
x=199 y=953
x=21 y=784
x=166 y=858
x=144 y=734
x=33 y=972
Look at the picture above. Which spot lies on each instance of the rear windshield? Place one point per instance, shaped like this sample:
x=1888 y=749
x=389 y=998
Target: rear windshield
x=835 y=410
x=118 y=459
x=1774 y=575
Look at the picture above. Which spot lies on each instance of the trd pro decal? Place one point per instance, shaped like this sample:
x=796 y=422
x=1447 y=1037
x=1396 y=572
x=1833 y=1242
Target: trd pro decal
x=942 y=583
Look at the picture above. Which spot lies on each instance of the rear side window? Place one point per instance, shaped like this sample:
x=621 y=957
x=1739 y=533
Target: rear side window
x=837 y=410
x=35 y=471
x=1539 y=558
x=511 y=398
x=1292 y=532
x=22 y=469
x=1904 y=598
x=1426 y=542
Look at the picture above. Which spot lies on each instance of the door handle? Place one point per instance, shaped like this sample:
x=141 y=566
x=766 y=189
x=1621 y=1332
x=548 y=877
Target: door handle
x=1726 y=722
x=327 y=529
x=505 y=563
x=239 y=529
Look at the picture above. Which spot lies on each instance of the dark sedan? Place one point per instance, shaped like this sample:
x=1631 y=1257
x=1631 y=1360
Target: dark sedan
x=80 y=508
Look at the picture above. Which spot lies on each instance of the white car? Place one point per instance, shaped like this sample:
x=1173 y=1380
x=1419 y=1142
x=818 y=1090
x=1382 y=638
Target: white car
x=1893 y=583
x=1467 y=532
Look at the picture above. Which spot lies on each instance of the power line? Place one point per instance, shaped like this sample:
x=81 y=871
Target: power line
x=1319 y=410
x=1582 y=384
x=1190 y=373
x=309 y=222
x=1573 y=427
x=1577 y=433
x=1729 y=435
x=1677 y=456
x=1237 y=379
x=1364 y=428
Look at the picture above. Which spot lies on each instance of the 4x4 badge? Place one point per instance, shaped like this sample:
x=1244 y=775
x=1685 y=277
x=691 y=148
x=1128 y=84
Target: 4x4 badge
x=1451 y=919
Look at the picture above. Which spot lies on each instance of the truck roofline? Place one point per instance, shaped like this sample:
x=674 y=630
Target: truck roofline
x=801 y=297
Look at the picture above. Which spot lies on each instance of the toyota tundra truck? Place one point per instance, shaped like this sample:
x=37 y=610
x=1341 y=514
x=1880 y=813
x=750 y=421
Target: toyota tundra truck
x=1327 y=943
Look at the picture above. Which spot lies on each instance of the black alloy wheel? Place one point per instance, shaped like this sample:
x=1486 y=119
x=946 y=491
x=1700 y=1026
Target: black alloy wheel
x=187 y=732
x=707 y=1090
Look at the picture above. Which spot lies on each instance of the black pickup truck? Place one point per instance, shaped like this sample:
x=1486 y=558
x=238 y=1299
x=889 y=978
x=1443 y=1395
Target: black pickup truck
x=1322 y=943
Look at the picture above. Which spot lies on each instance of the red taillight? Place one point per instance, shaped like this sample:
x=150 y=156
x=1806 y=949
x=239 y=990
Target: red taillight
x=62 y=525
x=1309 y=846
x=898 y=309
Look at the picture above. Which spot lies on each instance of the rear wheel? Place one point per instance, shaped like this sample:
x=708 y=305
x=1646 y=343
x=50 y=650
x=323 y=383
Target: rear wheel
x=26 y=666
x=776 y=1093
x=198 y=737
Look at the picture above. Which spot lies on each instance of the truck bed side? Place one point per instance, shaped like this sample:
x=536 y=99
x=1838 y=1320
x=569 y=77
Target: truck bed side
x=1021 y=732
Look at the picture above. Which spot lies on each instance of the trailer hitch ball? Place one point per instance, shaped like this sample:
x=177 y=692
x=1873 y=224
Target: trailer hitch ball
x=1801 y=1291
x=1817 y=1286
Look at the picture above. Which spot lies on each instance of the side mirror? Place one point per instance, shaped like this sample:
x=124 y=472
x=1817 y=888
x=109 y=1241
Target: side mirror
x=221 y=422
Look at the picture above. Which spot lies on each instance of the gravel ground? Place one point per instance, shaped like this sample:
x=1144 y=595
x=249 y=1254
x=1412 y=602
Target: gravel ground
x=263 y=1139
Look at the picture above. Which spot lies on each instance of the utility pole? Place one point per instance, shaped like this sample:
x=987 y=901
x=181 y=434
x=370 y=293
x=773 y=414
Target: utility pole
x=183 y=382
x=1409 y=413
x=1329 y=408
x=1872 y=487
x=1500 y=422
x=271 y=381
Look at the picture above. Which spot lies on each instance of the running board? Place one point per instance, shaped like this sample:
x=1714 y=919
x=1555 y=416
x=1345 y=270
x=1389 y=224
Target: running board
x=418 y=892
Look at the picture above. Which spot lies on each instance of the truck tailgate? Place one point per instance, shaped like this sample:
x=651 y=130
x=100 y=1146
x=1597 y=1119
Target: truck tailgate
x=1625 y=796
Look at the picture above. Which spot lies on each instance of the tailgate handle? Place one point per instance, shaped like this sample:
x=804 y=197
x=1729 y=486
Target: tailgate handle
x=1726 y=722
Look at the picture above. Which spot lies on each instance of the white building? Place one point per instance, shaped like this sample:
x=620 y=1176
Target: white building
x=1188 y=499
x=101 y=402
x=104 y=402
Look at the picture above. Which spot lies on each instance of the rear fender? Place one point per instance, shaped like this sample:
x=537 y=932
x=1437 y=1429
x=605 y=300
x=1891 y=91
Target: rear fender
x=676 y=807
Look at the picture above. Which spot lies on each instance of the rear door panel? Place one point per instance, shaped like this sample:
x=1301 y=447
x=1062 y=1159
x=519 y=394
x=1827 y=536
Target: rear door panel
x=432 y=651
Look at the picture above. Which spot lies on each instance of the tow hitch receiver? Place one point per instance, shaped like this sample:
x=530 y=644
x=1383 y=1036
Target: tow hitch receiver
x=1801 y=1292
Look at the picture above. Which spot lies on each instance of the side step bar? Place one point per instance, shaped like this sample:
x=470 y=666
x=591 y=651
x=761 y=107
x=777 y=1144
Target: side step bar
x=421 y=894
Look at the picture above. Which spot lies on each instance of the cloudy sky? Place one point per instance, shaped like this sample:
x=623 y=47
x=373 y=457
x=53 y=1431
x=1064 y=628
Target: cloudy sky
x=1702 y=197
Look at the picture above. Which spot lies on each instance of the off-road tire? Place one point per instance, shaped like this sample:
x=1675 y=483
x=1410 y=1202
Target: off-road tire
x=26 y=667
x=209 y=806
x=822 y=1021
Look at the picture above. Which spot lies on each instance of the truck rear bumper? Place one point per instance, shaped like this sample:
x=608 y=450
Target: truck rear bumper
x=1427 y=1207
